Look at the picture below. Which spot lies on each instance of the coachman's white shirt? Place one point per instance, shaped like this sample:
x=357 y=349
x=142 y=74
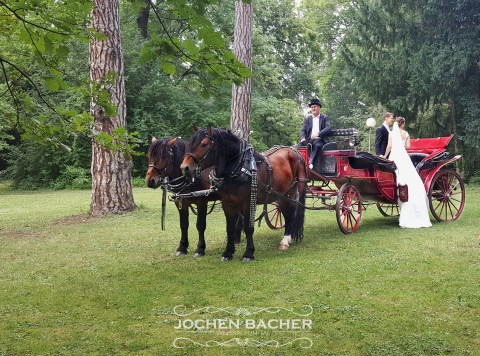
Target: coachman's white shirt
x=315 y=127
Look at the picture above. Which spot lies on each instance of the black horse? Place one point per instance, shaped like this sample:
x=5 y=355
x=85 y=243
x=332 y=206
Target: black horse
x=280 y=175
x=164 y=159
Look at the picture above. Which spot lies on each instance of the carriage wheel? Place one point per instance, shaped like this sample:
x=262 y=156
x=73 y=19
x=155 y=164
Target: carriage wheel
x=446 y=195
x=387 y=209
x=274 y=217
x=348 y=208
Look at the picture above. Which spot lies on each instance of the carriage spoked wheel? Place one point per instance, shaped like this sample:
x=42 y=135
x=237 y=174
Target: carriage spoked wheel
x=348 y=208
x=446 y=195
x=274 y=217
x=388 y=209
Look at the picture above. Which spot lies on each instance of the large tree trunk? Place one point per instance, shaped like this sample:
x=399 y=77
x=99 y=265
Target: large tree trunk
x=111 y=169
x=242 y=47
x=142 y=19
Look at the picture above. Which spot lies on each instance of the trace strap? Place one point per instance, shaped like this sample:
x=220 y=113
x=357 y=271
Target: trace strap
x=164 y=200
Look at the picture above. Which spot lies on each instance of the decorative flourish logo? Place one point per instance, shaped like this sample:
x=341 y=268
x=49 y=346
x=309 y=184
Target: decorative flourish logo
x=231 y=320
x=181 y=310
x=182 y=342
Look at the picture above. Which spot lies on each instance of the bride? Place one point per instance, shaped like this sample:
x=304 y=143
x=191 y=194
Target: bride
x=413 y=213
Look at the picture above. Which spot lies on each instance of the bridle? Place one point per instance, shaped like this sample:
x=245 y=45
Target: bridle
x=163 y=172
x=175 y=184
x=160 y=172
x=200 y=160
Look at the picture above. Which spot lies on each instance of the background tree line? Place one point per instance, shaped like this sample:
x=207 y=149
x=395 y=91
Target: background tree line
x=418 y=59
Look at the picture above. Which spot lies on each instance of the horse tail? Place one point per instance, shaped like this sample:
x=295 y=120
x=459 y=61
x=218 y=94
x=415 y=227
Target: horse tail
x=299 y=214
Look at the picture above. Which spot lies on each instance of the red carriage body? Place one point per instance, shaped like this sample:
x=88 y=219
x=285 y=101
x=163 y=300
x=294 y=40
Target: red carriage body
x=361 y=177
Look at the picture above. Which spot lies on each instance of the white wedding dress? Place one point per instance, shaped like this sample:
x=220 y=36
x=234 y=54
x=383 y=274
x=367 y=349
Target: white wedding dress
x=414 y=213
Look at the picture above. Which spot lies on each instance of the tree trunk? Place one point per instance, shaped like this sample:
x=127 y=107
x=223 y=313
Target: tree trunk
x=242 y=48
x=111 y=169
x=142 y=19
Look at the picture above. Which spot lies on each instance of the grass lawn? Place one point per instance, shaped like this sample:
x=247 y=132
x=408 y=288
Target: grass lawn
x=73 y=285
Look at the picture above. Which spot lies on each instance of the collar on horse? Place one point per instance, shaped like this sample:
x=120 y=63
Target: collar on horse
x=242 y=169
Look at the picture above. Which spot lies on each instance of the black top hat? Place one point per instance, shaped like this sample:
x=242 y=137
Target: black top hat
x=314 y=101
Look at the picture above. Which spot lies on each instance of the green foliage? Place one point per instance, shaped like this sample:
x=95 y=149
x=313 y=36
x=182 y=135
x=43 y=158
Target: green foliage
x=33 y=166
x=287 y=53
x=4 y=137
x=184 y=42
x=420 y=62
x=73 y=178
x=276 y=122
x=40 y=31
x=138 y=182
x=50 y=38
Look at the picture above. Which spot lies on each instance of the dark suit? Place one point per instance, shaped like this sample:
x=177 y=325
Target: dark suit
x=306 y=132
x=381 y=140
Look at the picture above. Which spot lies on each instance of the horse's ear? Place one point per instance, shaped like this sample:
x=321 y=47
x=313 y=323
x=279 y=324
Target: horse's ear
x=196 y=128
x=209 y=130
x=171 y=142
x=154 y=139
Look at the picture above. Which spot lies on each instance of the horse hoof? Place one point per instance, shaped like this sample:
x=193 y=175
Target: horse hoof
x=180 y=253
x=283 y=247
x=247 y=259
x=225 y=259
x=198 y=254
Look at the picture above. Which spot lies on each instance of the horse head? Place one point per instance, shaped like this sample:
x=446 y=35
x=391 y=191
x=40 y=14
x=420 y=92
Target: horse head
x=199 y=154
x=161 y=159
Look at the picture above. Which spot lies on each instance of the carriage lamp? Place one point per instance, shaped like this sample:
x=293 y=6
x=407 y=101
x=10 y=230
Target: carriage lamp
x=370 y=124
x=351 y=141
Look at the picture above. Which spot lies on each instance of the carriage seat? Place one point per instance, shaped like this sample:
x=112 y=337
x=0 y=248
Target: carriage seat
x=330 y=146
x=417 y=157
x=366 y=160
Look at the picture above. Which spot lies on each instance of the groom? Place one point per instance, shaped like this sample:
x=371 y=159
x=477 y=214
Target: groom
x=381 y=135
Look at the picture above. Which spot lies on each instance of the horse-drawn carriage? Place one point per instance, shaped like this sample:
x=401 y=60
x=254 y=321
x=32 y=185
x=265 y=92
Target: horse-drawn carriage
x=347 y=180
x=343 y=179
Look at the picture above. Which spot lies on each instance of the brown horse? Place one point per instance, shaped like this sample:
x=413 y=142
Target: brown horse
x=164 y=158
x=280 y=176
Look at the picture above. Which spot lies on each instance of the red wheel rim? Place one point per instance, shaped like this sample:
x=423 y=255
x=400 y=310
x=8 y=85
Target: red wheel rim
x=387 y=209
x=274 y=217
x=348 y=209
x=446 y=195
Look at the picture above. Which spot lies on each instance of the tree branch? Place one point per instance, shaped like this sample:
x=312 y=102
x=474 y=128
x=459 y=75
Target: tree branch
x=32 y=83
x=208 y=64
x=14 y=12
x=10 y=89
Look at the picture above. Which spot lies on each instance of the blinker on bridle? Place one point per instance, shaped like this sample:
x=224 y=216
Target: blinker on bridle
x=157 y=169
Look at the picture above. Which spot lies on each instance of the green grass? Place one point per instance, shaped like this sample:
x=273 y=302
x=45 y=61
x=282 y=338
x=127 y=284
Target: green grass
x=72 y=285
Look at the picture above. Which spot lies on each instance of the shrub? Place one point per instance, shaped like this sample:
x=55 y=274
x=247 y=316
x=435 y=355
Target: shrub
x=73 y=178
x=138 y=182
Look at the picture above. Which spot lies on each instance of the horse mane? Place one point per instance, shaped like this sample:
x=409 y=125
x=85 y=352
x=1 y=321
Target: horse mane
x=226 y=143
x=159 y=150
